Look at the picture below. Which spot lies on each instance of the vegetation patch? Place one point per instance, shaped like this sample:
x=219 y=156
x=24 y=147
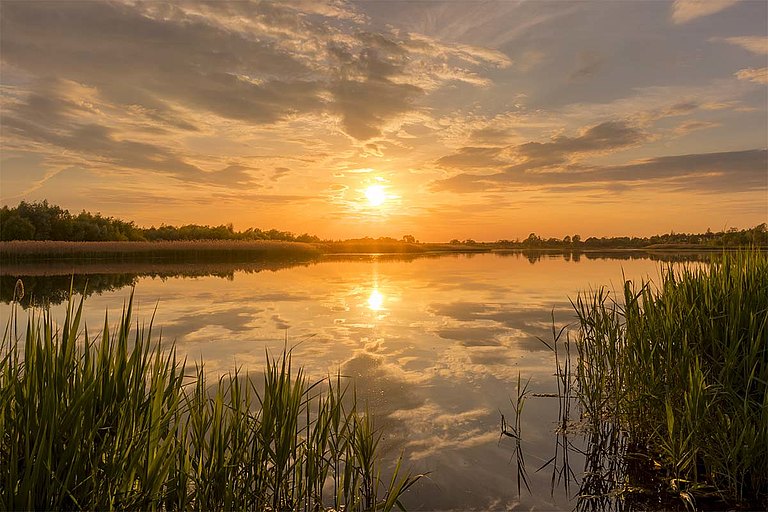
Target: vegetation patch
x=117 y=422
x=671 y=384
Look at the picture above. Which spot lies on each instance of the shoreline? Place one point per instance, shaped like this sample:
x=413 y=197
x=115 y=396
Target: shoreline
x=63 y=250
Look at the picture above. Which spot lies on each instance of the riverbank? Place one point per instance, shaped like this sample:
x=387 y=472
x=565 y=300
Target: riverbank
x=210 y=250
x=671 y=385
x=201 y=251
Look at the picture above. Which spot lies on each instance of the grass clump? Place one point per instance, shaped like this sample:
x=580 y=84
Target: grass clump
x=680 y=371
x=114 y=422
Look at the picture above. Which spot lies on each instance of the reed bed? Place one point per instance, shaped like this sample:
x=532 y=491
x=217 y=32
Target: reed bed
x=196 y=250
x=672 y=386
x=115 y=421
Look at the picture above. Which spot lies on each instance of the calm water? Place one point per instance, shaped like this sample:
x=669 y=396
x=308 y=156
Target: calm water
x=435 y=346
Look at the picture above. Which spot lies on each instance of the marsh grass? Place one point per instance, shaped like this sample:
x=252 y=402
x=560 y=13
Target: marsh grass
x=671 y=384
x=114 y=422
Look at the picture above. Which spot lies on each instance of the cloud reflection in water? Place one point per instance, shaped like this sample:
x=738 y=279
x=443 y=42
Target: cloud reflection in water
x=433 y=345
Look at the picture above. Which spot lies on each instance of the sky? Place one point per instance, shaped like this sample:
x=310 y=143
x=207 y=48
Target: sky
x=458 y=119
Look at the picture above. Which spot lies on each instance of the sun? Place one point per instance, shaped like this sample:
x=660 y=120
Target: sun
x=376 y=195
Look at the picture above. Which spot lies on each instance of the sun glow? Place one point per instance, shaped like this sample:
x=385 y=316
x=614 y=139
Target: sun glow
x=376 y=195
x=376 y=300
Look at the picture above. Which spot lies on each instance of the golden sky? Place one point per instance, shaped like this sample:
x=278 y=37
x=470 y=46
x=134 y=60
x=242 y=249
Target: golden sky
x=457 y=119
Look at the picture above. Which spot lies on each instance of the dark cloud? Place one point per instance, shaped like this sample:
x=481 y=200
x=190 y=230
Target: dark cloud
x=561 y=163
x=501 y=313
x=733 y=171
x=280 y=323
x=692 y=126
x=101 y=145
x=378 y=386
x=374 y=149
x=134 y=59
x=525 y=326
x=279 y=173
x=109 y=81
x=235 y=319
x=473 y=336
x=683 y=107
x=604 y=137
x=490 y=135
x=474 y=157
x=589 y=65
x=364 y=91
x=168 y=67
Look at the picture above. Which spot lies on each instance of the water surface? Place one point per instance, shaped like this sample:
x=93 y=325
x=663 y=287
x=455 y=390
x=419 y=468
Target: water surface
x=434 y=346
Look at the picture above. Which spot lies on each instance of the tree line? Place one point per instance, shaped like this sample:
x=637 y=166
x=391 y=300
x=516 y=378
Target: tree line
x=732 y=237
x=43 y=221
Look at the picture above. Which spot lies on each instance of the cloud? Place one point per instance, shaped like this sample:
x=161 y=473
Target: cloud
x=133 y=59
x=600 y=138
x=379 y=77
x=684 y=11
x=754 y=44
x=365 y=91
x=725 y=172
x=596 y=139
x=374 y=149
x=491 y=135
x=757 y=75
x=589 y=65
x=279 y=173
x=47 y=122
x=473 y=336
x=473 y=157
x=692 y=126
x=170 y=67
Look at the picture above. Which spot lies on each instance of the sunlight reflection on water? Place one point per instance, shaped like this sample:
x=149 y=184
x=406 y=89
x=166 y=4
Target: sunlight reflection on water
x=376 y=300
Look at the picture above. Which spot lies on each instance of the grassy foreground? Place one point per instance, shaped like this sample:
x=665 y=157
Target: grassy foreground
x=115 y=422
x=674 y=381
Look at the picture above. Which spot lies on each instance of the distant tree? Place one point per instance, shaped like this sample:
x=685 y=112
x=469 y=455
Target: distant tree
x=455 y=241
x=567 y=240
x=532 y=241
x=592 y=241
x=16 y=228
x=409 y=239
x=307 y=238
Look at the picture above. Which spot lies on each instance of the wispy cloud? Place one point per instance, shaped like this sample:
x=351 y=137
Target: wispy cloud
x=561 y=149
x=684 y=11
x=736 y=171
x=757 y=75
x=754 y=44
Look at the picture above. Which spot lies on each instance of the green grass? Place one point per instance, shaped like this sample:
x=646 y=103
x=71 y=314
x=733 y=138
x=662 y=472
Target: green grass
x=115 y=421
x=679 y=371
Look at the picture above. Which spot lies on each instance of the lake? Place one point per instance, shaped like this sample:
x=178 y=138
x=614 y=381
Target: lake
x=434 y=345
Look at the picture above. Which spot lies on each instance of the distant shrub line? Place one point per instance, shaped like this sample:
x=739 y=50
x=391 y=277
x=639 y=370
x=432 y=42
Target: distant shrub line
x=43 y=221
